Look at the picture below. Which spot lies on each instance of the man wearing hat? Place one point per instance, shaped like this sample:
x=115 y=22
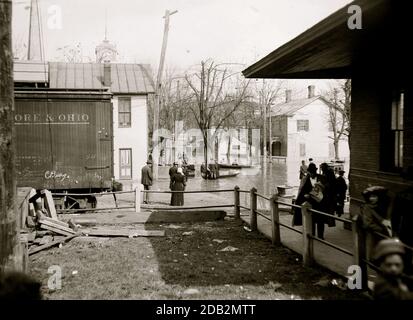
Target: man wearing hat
x=146 y=179
x=391 y=283
x=172 y=171
x=341 y=189
x=375 y=216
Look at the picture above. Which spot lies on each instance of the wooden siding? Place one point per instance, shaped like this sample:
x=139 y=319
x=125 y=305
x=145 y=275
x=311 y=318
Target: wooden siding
x=64 y=141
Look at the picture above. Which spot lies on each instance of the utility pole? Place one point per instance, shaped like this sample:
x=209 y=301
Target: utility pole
x=155 y=136
x=35 y=41
x=264 y=104
x=270 y=135
x=8 y=216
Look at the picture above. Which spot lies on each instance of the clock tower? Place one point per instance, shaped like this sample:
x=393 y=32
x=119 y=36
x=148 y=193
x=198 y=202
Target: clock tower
x=105 y=51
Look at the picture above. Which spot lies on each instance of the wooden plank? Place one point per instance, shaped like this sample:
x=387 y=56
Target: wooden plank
x=56 y=226
x=58 y=231
x=27 y=237
x=61 y=223
x=49 y=204
x=125 y=233
x=51 y=244
x=32 y=211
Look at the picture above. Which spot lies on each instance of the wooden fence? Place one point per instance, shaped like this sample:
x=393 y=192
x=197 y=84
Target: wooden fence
x=359 y=235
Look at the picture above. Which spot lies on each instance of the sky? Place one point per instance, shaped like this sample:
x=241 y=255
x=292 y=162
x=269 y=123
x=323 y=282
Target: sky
x=237 y=31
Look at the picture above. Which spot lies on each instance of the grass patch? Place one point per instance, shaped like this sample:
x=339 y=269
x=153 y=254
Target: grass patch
x=164 y=267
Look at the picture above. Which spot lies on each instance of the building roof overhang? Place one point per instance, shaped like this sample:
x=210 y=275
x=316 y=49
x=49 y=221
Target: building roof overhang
x=329 y=49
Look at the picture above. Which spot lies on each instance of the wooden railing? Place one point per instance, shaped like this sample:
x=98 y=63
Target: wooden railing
x=359 y=234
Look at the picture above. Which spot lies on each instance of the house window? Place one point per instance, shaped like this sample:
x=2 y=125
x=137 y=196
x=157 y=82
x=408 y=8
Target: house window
x=124 y=112
x=125 y=167
x=302 y=125
x=397 y=129
x=302 y=149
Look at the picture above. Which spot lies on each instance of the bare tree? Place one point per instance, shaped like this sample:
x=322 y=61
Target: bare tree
x=72 y=53
x=339 y=113
x=214 y=98
x=268 y=92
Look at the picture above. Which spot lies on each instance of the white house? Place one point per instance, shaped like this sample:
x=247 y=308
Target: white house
x=132 y=89
x=301 y=129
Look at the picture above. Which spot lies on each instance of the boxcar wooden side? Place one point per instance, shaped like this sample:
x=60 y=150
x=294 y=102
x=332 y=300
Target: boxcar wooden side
x=64 y=140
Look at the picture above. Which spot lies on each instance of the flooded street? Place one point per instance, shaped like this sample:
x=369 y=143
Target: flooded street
x=264 y=178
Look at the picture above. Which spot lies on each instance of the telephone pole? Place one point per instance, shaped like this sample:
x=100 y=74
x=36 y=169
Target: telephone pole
x=155 y=136
x=8 y=224
x=264 y=104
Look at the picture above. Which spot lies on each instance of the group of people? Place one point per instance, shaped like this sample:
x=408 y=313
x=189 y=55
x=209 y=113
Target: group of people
x=211 y=171
x=324 y=191
x=177 y=182
x=388 y=226
x=384 y=218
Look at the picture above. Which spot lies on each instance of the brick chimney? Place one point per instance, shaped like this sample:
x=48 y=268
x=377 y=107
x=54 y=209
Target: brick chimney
x=287 y=95
x=311 y=91
x=106 y=74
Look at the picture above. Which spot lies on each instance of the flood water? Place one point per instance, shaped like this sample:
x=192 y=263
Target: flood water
x=264 y=177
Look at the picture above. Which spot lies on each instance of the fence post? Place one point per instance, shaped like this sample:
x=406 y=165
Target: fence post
x=253 y=205
x=307 y=233
x=360 y=253
x=236 y=203
x=137 y=198
x=276 y=237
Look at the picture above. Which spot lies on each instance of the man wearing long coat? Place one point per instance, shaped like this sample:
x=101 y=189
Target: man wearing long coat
x=146 y=179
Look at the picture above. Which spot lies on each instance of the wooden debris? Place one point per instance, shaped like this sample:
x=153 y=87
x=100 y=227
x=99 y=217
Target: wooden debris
x=72 y=225
x=124 y=233
x=27 y=237
x=49 y=203
x=30 y=223
x=57 y=230
x=51 y=244
x=45 y=240
x=54 y=222
x=42 y=233
x=32 y=211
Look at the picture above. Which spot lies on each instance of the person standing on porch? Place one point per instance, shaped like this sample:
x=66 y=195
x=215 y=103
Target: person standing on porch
x=374 y=216
x=146 y=180
x=341 y=189
x=391 y=283
x=306 y=186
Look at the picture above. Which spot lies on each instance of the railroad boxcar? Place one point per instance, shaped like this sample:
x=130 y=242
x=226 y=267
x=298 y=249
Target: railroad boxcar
x=64 y=141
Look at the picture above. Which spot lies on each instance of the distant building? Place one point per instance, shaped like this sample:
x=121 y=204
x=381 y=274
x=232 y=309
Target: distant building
x=300 y=129
x=131 y=87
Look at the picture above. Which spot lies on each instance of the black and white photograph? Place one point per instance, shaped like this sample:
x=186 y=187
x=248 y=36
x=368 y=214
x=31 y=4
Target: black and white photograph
x=215 y=154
